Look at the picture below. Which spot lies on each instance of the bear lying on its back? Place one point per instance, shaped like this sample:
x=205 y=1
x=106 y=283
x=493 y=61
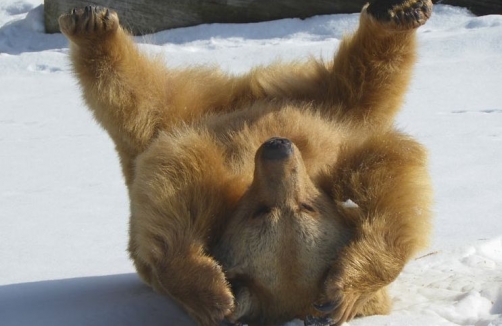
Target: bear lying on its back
x=283 y=193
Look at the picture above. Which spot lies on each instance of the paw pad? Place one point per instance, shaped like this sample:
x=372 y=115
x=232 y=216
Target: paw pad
x=402 y=14
x=88 y=21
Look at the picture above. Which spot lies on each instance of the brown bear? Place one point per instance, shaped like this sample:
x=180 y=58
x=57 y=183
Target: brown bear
x=282 y=193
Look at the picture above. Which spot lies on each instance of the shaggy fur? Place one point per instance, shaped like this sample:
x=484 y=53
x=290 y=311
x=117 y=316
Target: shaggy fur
x=285 y=192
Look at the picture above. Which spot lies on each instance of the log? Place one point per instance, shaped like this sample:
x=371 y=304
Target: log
x=477 y=7
x=149 y=16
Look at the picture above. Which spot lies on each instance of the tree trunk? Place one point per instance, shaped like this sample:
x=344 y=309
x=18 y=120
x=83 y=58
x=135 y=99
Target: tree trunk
x=149 y=16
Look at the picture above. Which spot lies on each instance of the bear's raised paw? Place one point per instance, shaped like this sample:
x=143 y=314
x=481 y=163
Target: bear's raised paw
x=89 y=22
x=401 y=14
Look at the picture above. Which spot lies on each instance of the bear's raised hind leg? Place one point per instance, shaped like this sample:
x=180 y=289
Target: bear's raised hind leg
x=123 y=88
x=372 y=68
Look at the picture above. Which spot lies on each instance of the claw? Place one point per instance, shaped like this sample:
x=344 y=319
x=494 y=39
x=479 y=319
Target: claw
x=317 y=321
x=417 y=5
x=416 y=15
x=226 y=322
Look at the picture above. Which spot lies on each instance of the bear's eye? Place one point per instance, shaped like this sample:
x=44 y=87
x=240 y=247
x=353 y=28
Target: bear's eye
x=263 y=210
x=306 y=207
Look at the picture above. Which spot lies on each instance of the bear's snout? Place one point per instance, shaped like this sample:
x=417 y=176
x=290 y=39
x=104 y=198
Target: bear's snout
x=277 y=148
x=280 y=177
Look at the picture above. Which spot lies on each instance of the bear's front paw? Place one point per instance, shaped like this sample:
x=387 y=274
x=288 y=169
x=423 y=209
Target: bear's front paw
x=343 y=297
x=213 y=309
x=88 y=22
x=216 y=310
x=208 y=297
x=340 y=305
x=401 y=14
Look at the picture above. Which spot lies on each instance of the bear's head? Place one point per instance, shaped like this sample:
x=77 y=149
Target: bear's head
x=281 y=239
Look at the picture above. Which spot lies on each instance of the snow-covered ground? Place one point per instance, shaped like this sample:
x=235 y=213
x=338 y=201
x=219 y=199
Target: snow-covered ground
x=64 y=207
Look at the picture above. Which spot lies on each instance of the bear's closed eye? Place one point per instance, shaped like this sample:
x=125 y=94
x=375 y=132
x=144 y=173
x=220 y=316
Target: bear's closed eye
x=307 y=207
x=263 y=210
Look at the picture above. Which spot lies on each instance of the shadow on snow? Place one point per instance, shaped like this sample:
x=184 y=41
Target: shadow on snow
x=99 y=301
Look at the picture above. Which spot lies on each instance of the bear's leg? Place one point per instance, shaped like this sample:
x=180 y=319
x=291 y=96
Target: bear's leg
x=372 y=68
x=387 y=179
x=124 y=89
x=181 y=198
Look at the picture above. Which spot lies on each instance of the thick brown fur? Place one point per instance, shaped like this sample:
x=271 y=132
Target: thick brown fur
x=285 y=192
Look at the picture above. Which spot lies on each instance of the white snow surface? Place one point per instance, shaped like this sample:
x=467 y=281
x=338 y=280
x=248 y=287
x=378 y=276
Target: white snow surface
x=64 y=206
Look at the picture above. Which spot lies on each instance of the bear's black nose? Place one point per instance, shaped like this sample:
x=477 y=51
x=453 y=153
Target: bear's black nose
x=277 y=149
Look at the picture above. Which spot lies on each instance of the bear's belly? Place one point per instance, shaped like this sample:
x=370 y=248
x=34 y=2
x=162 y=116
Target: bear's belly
x=241 y=133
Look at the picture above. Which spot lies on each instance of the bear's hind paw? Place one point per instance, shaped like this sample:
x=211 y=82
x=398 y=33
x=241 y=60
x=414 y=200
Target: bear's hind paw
x=401 y=14
x=89 y=22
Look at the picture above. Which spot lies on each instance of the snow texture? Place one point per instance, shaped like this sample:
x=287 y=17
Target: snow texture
x=64 y=206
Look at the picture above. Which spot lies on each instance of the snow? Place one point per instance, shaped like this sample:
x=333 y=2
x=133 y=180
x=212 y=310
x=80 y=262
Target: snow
x=349 y=204
x=64 y=206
